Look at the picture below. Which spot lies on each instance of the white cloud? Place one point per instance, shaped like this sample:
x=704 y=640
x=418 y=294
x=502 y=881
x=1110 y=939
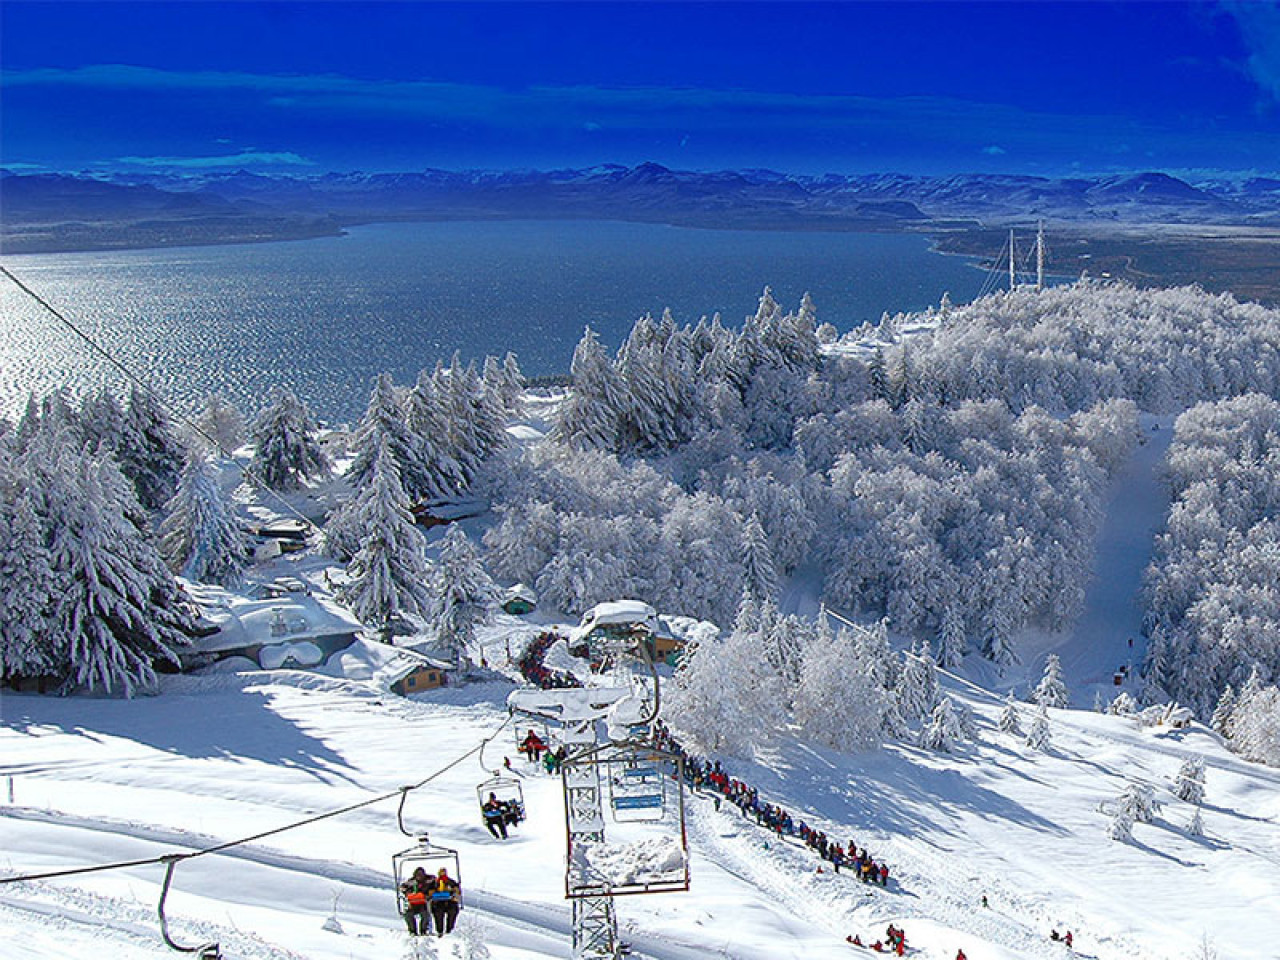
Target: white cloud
x=246 y=158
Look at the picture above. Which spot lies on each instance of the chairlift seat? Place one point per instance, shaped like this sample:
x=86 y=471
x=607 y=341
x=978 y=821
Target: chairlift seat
x=639 y=802
x=640 y=772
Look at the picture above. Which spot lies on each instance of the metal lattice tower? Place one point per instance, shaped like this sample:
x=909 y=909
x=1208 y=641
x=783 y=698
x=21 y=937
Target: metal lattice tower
x=595 y=924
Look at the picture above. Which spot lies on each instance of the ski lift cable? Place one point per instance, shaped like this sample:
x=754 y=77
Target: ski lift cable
x=133 y=378
x=169 y=859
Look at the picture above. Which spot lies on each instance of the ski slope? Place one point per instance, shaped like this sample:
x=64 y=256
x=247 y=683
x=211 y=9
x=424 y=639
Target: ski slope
x=221 y=757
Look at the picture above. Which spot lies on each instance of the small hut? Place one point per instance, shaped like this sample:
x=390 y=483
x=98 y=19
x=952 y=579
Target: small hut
x=519 y=600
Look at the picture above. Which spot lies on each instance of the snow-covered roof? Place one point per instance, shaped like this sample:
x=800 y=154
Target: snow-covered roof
x=620 y=612
x=277 y=620
x=520 y=591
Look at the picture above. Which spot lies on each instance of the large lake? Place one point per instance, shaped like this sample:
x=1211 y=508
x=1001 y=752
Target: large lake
x=325 y=316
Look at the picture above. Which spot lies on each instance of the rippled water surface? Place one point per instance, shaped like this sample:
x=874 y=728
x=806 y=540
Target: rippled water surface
x=325 y=316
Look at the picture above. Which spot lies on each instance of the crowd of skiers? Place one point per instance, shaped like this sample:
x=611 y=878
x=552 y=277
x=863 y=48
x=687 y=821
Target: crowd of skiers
x=708 y=775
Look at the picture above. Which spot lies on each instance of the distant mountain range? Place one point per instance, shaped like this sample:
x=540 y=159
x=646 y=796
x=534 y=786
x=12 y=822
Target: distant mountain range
x=61 y=211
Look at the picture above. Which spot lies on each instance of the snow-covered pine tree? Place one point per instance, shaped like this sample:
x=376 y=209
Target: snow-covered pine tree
x=761 y=577
x=1039 y=736
x=1123 y=705
x=999 y=640
x=286 y=450
x=1195 y=824
x=389 y=572
x=1189 y=783
x=118 y=613
x=27 y=587
x=951 y=641
x=427 y=417
x=383 y=427
x=1223 y=712
x=459 y=390
x=200 y=537
x=102 y=422
x=942 y=732
x=1121 y=826
x=149 y=454
x=589 y=416
x=1138 y=801
x=1009 y=721
x=462 y=594
x=917 y=687
x=221 y=420
x=1051 y=691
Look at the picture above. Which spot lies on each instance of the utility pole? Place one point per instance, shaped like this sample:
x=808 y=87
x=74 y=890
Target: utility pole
x=1013 y=259
x=1040 y=257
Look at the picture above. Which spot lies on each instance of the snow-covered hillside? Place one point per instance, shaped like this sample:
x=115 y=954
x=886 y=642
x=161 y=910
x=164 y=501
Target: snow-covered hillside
x=222 y=757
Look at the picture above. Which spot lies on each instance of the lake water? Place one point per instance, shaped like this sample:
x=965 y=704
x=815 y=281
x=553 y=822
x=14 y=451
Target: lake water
x=325 y=316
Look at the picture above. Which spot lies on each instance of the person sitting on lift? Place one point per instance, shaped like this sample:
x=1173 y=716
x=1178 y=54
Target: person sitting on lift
x=532 y=746
x=416 y=914
x=496 y=816
x=446 y=901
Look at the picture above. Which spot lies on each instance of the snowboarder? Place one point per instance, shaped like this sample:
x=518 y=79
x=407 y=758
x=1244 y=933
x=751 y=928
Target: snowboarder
x=1066 y=938
x=855 y=940
x=446 y=901
x=415 y=895
x=960 y=955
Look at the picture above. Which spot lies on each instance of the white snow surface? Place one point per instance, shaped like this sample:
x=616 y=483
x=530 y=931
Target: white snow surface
x=651 y=860
x=221 y=757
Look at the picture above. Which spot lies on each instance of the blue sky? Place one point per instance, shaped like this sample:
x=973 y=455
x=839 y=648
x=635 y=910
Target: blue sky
x=916 y=87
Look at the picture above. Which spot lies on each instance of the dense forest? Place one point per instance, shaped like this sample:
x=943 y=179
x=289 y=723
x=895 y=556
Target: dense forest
x=942 y=474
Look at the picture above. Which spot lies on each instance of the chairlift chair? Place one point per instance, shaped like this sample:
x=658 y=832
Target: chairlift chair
x=431 y=858
x=637 y=785
x=506 y=789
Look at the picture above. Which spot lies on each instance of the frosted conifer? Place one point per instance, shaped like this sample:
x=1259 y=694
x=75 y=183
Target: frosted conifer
x=1139 y=802
x=27 y=590
x=200 y=538
x=102 y=422
x=760 y=575
x=1009 y=722
x=1039 y=737
x=943 y=731
x=918 y=684
x=389 y=573
x=1189 y=785
x=1121 y=827
x=118 y=612
x=951 y=638
x=1224 y=712
x=286 y=451
x=223 y=422
x=1195 y=825
x=1051 y=691
x=382 y=428
x=461 y=596
x=149 y=454
x=427 y=417
x=588 y=417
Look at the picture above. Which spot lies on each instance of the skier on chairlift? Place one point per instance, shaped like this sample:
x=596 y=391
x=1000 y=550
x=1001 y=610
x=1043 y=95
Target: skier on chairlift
x=446 y=901
x=416 y=915
x=496 y=816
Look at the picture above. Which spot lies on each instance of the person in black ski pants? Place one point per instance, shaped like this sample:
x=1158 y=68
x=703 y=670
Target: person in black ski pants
x=446 y=901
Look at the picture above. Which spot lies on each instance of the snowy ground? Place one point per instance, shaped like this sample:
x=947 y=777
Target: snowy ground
x=222 y=757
